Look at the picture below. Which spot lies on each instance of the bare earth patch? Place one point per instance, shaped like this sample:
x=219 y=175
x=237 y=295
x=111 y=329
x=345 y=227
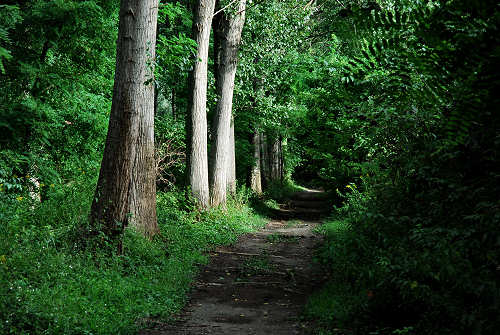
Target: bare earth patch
x=258 y=286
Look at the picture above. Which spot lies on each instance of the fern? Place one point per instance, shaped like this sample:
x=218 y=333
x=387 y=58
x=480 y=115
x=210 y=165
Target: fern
x=10 y=16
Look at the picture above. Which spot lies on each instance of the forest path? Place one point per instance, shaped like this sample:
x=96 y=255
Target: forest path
x=260 y=284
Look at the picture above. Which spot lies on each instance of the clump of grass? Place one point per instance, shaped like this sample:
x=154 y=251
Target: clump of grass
x=257 y=265
x=279 y=238
x=293 y=223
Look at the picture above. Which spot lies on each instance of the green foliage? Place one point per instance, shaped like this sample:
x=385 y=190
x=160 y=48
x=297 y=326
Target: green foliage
x=10 y=16
x=264 y=97
x=56 y=88
x=278 y=238
x=407 y=135
x=50 y=283
x=256 y=265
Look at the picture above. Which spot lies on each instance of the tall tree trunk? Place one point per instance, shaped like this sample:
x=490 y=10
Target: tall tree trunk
x=283 y=145
x=265 y=161
x=174 y=112
x=156 y=100
x=196 y=120
x=226 y=44
x=231 y=173
x=255 y=174
x=126 y=189
x=275 y=159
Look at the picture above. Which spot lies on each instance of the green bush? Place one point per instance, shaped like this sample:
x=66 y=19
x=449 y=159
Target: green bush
x=400 y=258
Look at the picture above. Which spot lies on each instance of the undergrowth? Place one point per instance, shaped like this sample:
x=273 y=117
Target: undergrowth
x=400 y=264
x=50 y=284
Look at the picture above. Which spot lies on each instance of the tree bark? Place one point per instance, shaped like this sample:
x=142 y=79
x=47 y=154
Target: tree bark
x=174 y=110
x=265 y=161
x=275 y=159
x=231 y=174
x=126 y=189
x=255 y=174
x=227 y=39
x=156 y=100
x=283 y=145
x=196 y=120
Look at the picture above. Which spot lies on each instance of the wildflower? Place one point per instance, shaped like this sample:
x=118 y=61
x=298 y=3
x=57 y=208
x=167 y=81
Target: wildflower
x=19 y=198
x=370 y=294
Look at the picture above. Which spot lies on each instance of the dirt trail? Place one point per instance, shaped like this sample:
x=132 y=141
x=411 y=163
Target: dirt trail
x=261 y=284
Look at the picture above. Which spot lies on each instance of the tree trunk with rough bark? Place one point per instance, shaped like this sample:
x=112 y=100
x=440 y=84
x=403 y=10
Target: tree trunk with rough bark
x=283 y=146
x=231 y=173
x=174 y=112
x=275 y=159
x=196 y=119
x=255 y=173
x=126 y=189
x=265 y=161
x=227 y=37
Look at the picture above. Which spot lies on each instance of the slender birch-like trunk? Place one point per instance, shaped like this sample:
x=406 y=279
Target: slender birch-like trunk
x=196 y=120
x=265 y=161
x=227 y=39
x=231 y=173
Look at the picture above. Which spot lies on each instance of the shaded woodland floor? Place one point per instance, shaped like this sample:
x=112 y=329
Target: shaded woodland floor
x=260 y=284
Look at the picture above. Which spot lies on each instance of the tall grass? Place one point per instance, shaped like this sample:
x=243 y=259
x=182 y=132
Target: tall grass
x=51 y=284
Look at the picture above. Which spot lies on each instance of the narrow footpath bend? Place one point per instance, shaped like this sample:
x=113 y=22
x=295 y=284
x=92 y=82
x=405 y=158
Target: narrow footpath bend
x=260 y=285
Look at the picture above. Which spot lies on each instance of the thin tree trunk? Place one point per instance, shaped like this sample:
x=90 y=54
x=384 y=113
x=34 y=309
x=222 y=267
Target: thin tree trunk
x=283 y=145
x=265 y=162
x=275 y=159
x=126 y=189
x=156 y=100
x=196 y=120
x=255 y=174
x=231 y=174
x=174 y=112
x=226 y=44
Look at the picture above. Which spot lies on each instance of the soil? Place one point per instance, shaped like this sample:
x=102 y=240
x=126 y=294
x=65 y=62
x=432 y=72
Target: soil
x=259 y=285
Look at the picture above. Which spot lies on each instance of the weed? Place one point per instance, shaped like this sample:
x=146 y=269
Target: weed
x=257 y=265
x=293 y=223
x=279 y=238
